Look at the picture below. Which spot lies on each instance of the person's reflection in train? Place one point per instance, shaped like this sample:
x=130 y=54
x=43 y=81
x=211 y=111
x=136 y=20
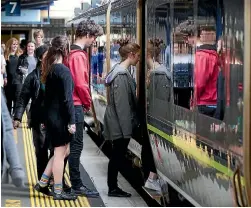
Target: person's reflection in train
x=121 y=117
x=159 y=83
x=206 y=74
x=160 y=94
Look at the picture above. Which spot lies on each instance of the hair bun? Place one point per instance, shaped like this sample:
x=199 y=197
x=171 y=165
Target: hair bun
x=156 y=42
x=123 y=42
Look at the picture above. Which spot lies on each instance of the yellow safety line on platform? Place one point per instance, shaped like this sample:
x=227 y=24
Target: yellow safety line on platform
x=38 y=199
x=83 y=200
x=32 y=199
x=12 y=203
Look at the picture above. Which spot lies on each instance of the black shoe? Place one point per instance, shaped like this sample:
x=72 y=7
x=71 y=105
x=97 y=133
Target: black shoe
x=45 y=190
x=84 y=191
x=117 y=192
x=66 y=188
x=64 y=196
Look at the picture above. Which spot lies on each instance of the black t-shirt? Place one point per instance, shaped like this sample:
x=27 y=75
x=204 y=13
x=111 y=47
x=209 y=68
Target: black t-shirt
x=11 y=69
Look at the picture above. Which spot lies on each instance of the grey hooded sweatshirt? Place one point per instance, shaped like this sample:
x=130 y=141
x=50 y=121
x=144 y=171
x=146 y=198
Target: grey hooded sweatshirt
x=10 y=158
x=160 y=94
x=121 y=112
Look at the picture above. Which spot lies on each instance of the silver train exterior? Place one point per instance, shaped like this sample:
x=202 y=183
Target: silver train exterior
x=195 y=154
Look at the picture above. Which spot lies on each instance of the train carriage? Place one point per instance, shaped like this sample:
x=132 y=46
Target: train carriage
x=205 y=158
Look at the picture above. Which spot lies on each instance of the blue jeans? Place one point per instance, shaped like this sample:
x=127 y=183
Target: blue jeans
x=76 y=147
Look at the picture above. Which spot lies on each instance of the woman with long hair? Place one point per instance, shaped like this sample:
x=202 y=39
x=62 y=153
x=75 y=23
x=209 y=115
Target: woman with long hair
x=121 y=118
x=59 y=116
x=14 y=85
x=34 y=90
x=26 y=64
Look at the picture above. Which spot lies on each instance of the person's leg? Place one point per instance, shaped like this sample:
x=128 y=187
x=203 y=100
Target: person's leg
x=28 y=114
x=41 y=150
x=9 y=92
x=60 y=153
x=115 y=164
x=18 y=88
x=76 y=147
x=58 y=167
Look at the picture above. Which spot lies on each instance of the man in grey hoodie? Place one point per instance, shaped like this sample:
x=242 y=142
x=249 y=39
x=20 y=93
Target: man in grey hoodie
x=9 y=155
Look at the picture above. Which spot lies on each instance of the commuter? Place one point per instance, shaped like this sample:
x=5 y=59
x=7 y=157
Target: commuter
x=38 y=35
x=206 y=72
x=3 y=46
x=14 y=85
x=121 y=118
x=9 y=152
x=100 y=61
x=34 y=90
x=3 y=70
x=86 y=33
x=59 y=115
x=26 y=64
x=23 y=45
x=94 y=65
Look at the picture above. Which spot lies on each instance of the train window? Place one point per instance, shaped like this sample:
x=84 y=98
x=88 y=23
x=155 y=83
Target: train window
x=159 y=76
x=197 y=115
x=219 y=73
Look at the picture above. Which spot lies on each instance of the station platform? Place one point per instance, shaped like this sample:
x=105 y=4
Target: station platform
x=93 y=169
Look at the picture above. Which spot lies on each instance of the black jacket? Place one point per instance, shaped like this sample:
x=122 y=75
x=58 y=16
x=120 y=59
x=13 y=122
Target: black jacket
x=23 y=62
x=31 y=90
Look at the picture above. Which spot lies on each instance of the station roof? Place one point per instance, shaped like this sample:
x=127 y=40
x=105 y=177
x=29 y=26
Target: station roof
x=31 y=4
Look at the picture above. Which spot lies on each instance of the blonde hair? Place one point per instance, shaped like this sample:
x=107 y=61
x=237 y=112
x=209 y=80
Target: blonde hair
x=126 y=48
x=8 y=48
x=37 y=33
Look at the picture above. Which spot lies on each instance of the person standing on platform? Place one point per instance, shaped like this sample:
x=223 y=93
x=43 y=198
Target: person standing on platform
x=59 y=115
x=9 y=152
x=121 y=119
x=33 y=89
x=14 y=84
x=78 y=62
x=26 y=64
x=38 y=35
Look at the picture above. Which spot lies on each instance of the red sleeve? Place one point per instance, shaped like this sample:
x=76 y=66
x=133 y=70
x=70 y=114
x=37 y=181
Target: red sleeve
x=202 y=73
x=80 y=72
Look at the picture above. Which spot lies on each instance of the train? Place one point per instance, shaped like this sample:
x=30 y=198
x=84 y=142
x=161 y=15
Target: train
x=205 y=159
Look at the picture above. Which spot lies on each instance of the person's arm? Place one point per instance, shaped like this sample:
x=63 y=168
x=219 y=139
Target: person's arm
x=22 y=66
x=80 y=75
x=23 y=99
x=3 y=65
x=122 y=106
x=202 y=74
x=67 y=95
x=16 y=170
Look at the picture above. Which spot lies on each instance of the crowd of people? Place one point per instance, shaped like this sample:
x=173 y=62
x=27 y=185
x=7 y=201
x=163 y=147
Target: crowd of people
x=51 y=83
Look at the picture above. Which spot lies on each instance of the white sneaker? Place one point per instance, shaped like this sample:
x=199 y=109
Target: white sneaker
x=153 y=184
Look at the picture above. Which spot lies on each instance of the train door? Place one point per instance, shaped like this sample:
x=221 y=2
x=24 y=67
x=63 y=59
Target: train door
x=195 y=88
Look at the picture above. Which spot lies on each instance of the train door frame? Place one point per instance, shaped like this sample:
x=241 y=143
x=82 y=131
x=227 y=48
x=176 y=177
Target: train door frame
x=247 y=101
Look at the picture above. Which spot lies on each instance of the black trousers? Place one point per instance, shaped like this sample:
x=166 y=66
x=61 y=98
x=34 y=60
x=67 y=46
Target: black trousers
x=116 y=162
x=148 y=164
x=41 y=149
x=12 y=93
x=76 y=147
